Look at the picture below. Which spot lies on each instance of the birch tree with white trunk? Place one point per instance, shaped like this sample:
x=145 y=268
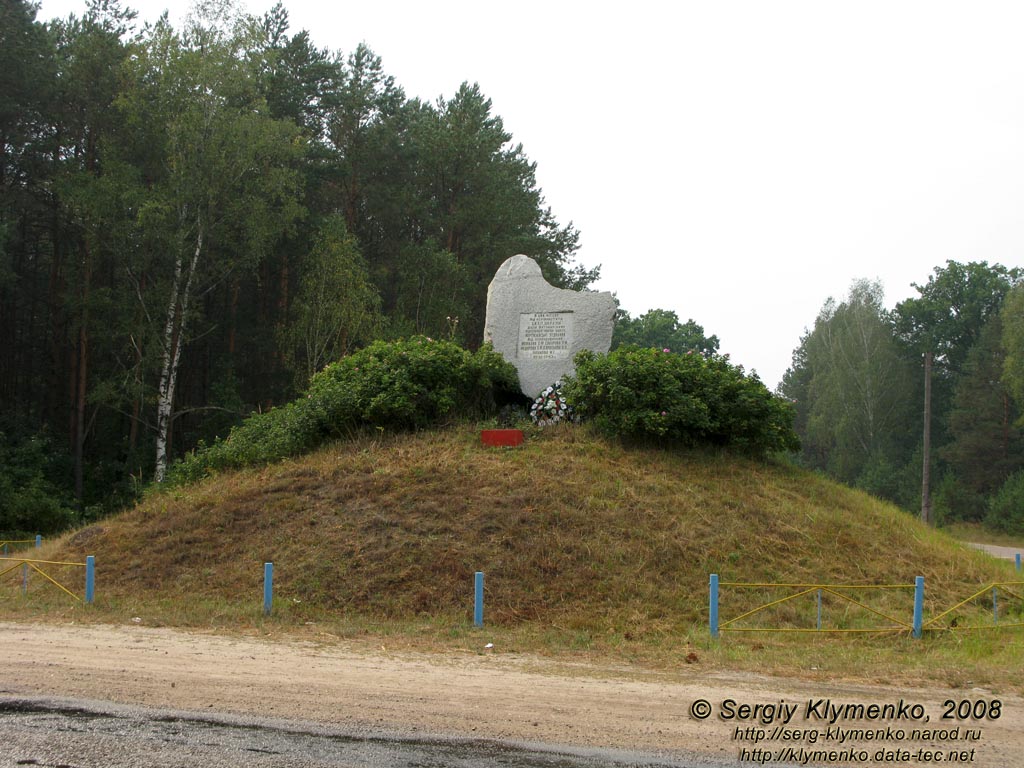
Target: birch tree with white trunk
x=226 y=184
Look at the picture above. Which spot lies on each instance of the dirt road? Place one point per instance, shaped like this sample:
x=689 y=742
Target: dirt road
x=495 y=696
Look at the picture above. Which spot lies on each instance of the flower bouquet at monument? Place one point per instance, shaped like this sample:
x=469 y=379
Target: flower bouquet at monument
x=550 y=407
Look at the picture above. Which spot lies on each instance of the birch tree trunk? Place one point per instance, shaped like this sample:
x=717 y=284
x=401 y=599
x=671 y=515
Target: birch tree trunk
x=173 y=339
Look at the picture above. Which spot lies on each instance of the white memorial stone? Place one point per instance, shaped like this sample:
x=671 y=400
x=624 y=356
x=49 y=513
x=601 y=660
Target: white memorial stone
x=539 y=328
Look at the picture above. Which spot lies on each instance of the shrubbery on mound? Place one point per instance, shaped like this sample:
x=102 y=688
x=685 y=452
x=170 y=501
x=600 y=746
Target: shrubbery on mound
x=633 y=393
x=688 y=400
x=395 y=385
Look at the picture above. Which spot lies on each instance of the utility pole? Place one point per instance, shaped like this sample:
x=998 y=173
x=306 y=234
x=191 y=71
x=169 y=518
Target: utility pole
x=926 y=469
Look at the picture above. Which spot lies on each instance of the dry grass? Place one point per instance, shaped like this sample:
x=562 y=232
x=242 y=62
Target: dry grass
x=588 y=548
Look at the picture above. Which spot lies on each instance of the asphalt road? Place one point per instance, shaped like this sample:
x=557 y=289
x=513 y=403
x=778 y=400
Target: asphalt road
x=50 y=733
x=1006 y=553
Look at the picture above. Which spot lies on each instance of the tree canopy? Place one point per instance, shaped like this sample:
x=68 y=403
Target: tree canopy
x=858 y=383
x=196 y=219
x=661 y=329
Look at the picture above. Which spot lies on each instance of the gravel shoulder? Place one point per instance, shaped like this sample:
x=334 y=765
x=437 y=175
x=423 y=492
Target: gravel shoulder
x=486 y=696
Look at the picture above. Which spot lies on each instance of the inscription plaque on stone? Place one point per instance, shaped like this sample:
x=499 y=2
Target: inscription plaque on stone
x=539 y=328
x=545 y=335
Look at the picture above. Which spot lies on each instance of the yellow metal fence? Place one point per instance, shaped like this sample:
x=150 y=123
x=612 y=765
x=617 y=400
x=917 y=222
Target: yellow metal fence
x=950 y=619
x=859 y=608
x=10 y=564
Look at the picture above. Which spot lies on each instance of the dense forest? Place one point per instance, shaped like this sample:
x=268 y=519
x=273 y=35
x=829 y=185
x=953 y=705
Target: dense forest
x=194 y=220
x=921 y=404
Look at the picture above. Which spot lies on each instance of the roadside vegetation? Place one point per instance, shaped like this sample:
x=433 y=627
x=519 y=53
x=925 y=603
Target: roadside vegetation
x=592 y=550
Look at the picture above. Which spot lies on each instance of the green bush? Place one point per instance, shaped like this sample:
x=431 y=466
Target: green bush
x=687 y=400
x=1006 y=508
x=30 y=501
x=395 y=385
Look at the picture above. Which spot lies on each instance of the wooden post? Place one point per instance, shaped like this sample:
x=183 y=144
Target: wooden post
x=926 y=464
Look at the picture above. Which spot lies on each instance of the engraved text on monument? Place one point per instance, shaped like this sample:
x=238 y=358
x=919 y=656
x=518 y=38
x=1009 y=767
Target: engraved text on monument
x=545 y=335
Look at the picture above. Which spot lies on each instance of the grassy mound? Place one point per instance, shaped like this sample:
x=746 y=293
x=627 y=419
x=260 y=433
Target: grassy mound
x=572 y=531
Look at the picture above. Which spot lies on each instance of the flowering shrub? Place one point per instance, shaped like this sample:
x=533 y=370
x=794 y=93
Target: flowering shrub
x=680 y=399
x=551 y=407
x=392 y=385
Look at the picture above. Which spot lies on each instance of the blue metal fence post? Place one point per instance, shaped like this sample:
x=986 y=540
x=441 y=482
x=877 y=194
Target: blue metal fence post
x=268 y=587
x=39 y=541
x=90 y=579
x=713 y=605
x=478 y=599
x=918 y=604
x=1018 y=561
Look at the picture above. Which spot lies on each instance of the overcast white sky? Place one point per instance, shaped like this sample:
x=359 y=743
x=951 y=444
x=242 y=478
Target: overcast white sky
x=737 y=162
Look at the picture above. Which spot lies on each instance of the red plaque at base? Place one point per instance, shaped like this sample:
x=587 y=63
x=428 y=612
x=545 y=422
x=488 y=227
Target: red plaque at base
x=501 y=438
